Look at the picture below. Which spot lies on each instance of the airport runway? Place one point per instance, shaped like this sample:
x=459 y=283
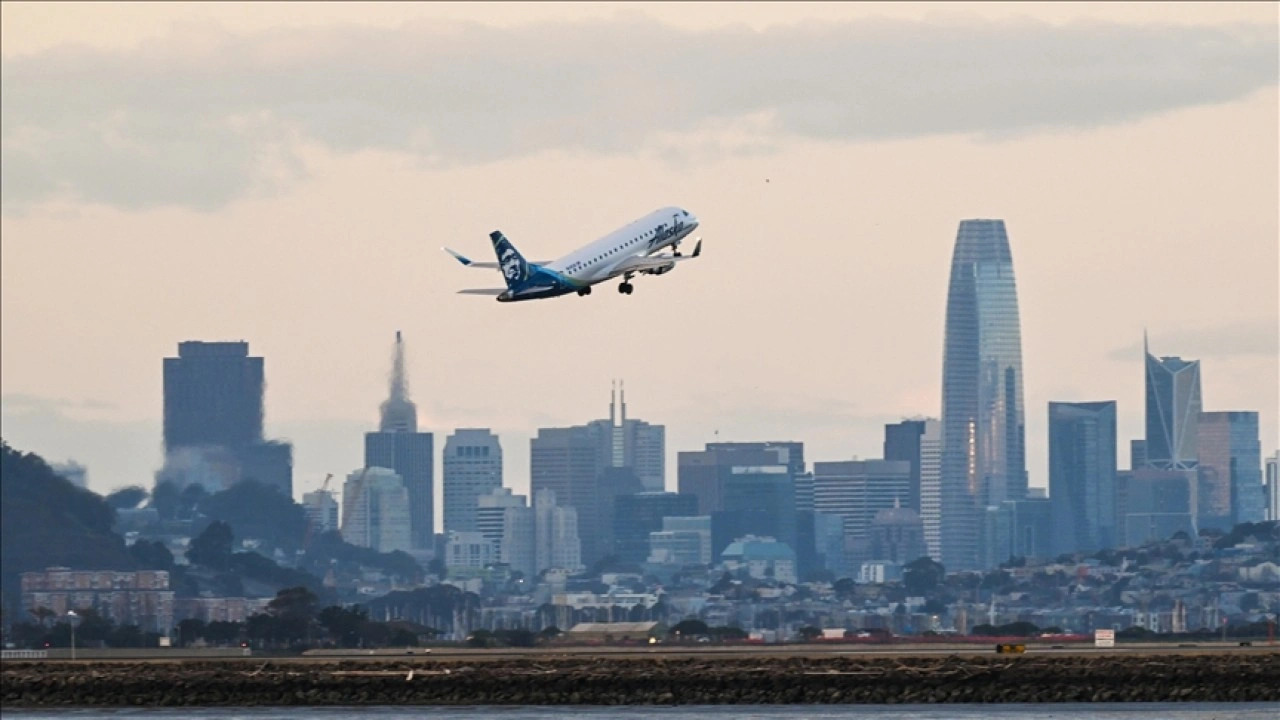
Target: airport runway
x=704 y=652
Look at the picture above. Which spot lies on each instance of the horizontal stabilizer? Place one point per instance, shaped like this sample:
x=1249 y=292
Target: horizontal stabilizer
x=482 y=291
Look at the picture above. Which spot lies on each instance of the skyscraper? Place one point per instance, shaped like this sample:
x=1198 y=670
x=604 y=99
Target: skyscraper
x=589 y=465
x=213 y=416
x=1082 y=475
x=212 y=396
x=902 y=442
x=1273 y=488
x=855 y=490
x=983 y=443
x=472 y=469
x=931 y=487
x=399 y=446
x=633 y=444
x=1173 y=411
x=1229 y=470
x=376 y=510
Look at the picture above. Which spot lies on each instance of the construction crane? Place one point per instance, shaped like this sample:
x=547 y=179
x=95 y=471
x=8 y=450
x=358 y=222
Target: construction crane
x=306 y=537
x=352 y=498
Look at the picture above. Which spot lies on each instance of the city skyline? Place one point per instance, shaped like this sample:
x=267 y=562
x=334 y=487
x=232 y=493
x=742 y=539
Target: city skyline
x=1122 y=218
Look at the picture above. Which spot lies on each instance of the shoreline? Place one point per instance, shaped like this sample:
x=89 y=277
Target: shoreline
x=651 y=681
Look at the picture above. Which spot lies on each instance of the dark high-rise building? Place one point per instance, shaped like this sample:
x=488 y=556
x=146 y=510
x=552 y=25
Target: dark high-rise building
x=398 y=446
x=703 y=473
x=213 y=417
x=855 y=490
x=761 y=501
x=1230 y=470
x=902 y=442
x=635 y=516
x=1082 y=475
x=212 y=396
x=567 y=461
x=983 y=443
x=1158 y=504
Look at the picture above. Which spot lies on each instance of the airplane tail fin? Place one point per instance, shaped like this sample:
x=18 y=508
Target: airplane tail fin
x=515 y=269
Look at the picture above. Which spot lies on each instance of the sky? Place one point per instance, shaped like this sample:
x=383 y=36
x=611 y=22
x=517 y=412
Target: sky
x=286 y=174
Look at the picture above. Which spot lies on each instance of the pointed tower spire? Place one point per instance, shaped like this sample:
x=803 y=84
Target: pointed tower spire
x=398 y=411
x=622 y=399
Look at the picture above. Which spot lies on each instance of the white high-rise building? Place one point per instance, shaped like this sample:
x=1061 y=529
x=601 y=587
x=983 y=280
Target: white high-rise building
x=472 y=469
x=931 y=487
x=467 y=550
x=682 y=541
x=491 y=510
x=322 y=511
x=518 y=546
x=556 y=531
x=376 y=510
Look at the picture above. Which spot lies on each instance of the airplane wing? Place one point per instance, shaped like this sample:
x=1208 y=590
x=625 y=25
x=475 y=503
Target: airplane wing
x=487 y=265
x=654 y=264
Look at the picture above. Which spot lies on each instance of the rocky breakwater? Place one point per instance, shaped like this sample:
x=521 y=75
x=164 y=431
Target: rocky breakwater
x=997 y=679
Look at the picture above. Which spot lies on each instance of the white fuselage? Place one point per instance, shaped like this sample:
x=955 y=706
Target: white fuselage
x=599 y=261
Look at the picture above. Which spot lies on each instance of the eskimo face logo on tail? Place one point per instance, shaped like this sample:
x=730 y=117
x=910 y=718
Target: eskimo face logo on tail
x=512 y=268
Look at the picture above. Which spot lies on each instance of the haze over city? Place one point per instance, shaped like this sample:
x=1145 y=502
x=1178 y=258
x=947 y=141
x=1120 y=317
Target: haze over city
x=297 y=194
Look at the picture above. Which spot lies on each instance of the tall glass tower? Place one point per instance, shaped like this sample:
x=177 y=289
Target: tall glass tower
x=983 y=443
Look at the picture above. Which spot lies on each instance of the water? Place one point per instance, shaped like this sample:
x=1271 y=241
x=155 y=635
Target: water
x=1128 y=711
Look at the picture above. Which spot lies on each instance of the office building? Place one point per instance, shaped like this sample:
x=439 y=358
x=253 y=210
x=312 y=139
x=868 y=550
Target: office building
x=376 y=511
x=1173 y=411
x=213 y=420
x=638 y=515
x=903 y=441
x=983 y=441
x=629 y=443
x=399 y=446
x=931 y=487
x=703 y=473
x=757 y=500
x=467 y=551
x=682 y=541
x=1082 y=475
x=1273 y=487
x=897 y=535
x=212 y=396
x=1229 y=471
x=472 y=468
x=557 y=544
x=322 y=511
x=491 y=516
x=855 y=490
x=1158 y=504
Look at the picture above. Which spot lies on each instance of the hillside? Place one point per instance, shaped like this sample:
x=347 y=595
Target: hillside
x=47 y=521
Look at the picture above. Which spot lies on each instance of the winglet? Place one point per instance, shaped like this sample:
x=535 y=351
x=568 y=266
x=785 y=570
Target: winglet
x=697 y=249
x=460 y=258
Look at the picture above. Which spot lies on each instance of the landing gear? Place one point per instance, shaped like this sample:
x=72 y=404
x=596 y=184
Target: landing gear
x=675 y=249
x=584 y=291
x=626 y=288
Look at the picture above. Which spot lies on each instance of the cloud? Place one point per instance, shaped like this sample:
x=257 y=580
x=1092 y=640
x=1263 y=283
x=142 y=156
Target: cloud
x=1221 y=341
x=37 y=403
x=204 y=116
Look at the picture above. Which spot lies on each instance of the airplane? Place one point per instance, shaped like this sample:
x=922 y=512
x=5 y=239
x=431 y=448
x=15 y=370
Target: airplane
x=625 y=252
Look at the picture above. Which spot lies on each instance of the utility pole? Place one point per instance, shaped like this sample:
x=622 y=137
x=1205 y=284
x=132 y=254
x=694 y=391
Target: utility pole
x=72 y=617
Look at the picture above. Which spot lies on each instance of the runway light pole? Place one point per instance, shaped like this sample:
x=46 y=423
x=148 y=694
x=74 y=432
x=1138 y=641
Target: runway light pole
x=72 y=622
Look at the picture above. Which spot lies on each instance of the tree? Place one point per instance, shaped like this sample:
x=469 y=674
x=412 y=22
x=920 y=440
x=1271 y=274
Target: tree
x=212 y=548
x=691 y=627
x=190 y=630
x=294 y=609
x=152 y=554
x=165 y=499
x=923 y=575
x=127 y=498
x=809 y=633
x=258 y=511
x=343 y=624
